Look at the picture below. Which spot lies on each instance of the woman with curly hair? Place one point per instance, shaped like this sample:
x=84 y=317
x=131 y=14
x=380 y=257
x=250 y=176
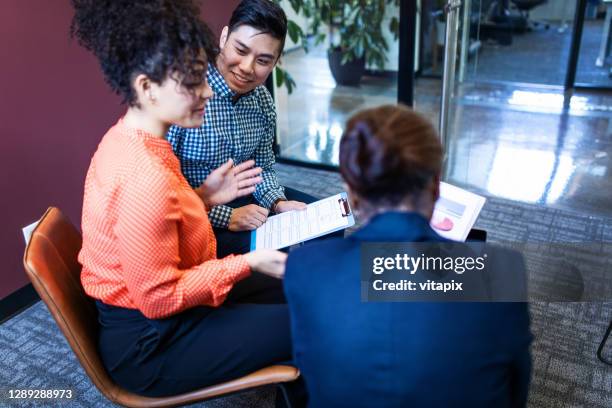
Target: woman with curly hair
x=172 y=317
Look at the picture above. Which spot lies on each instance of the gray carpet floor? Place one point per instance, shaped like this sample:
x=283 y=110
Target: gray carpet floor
x=34 y=354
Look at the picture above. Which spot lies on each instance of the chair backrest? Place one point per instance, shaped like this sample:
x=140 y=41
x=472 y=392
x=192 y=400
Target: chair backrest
x=51 y=263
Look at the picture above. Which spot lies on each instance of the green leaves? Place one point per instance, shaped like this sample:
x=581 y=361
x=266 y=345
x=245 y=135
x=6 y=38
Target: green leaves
x=356 y=26
x=359 y=24
x=394 y=27
x=283 y=77
x=319 y=38
x=295 y=31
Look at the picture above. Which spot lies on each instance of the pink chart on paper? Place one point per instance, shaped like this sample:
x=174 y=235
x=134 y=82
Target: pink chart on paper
x=445 y=224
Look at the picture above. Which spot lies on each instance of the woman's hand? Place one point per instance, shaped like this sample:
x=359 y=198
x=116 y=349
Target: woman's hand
x=227 y=183
x=268 y=262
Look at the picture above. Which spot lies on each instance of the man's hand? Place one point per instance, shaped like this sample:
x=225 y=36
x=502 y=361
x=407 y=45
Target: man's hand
x=227 y=183
x=285 y=205
x=247 y=218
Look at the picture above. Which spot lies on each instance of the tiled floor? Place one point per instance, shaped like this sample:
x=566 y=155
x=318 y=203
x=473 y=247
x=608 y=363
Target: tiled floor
x=525 y=143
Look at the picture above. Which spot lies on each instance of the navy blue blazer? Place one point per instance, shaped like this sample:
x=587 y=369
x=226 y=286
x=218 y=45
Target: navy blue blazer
x=399 y=354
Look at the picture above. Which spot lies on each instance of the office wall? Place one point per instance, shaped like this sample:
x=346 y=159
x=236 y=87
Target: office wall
x=217 y=13
x=54 y=108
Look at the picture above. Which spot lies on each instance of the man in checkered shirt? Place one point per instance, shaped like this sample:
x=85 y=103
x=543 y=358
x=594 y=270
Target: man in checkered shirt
x=240 y=123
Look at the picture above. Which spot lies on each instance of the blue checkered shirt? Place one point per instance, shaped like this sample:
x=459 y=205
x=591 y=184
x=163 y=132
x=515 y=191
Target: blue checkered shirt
x=240 y=130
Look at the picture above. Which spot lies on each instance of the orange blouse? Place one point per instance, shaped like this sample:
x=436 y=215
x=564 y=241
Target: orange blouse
x=147 y=241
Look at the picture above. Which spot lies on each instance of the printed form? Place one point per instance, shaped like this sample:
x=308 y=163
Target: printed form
x=320 y=218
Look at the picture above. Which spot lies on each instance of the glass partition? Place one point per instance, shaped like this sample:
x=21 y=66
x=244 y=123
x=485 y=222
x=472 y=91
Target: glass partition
x=517 y=41
x=594 y=61
x=311 y=118
x=515 y=132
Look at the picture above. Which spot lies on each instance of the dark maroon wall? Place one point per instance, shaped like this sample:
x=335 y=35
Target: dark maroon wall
x=54 y=108
x=217 y=13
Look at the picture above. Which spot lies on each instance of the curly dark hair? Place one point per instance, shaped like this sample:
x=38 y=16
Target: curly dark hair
x=157 y=38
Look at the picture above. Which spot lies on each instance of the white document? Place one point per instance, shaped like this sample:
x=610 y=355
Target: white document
x=320 y=218
x=27 y=231
x=456 y=212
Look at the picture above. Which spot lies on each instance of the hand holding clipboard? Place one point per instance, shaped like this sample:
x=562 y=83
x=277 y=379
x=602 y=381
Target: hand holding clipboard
x=319 y=218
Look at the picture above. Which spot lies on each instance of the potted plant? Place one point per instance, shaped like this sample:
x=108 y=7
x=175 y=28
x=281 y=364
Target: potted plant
x=354 y=29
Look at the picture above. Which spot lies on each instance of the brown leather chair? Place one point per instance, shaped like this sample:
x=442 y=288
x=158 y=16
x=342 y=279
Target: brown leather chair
x=51 y=264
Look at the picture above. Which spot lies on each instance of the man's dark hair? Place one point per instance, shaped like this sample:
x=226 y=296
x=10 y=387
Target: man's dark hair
x=264 y=15
x=156 y=38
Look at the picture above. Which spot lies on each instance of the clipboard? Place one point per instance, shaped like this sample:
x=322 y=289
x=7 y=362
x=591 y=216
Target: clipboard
x=320 y=218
